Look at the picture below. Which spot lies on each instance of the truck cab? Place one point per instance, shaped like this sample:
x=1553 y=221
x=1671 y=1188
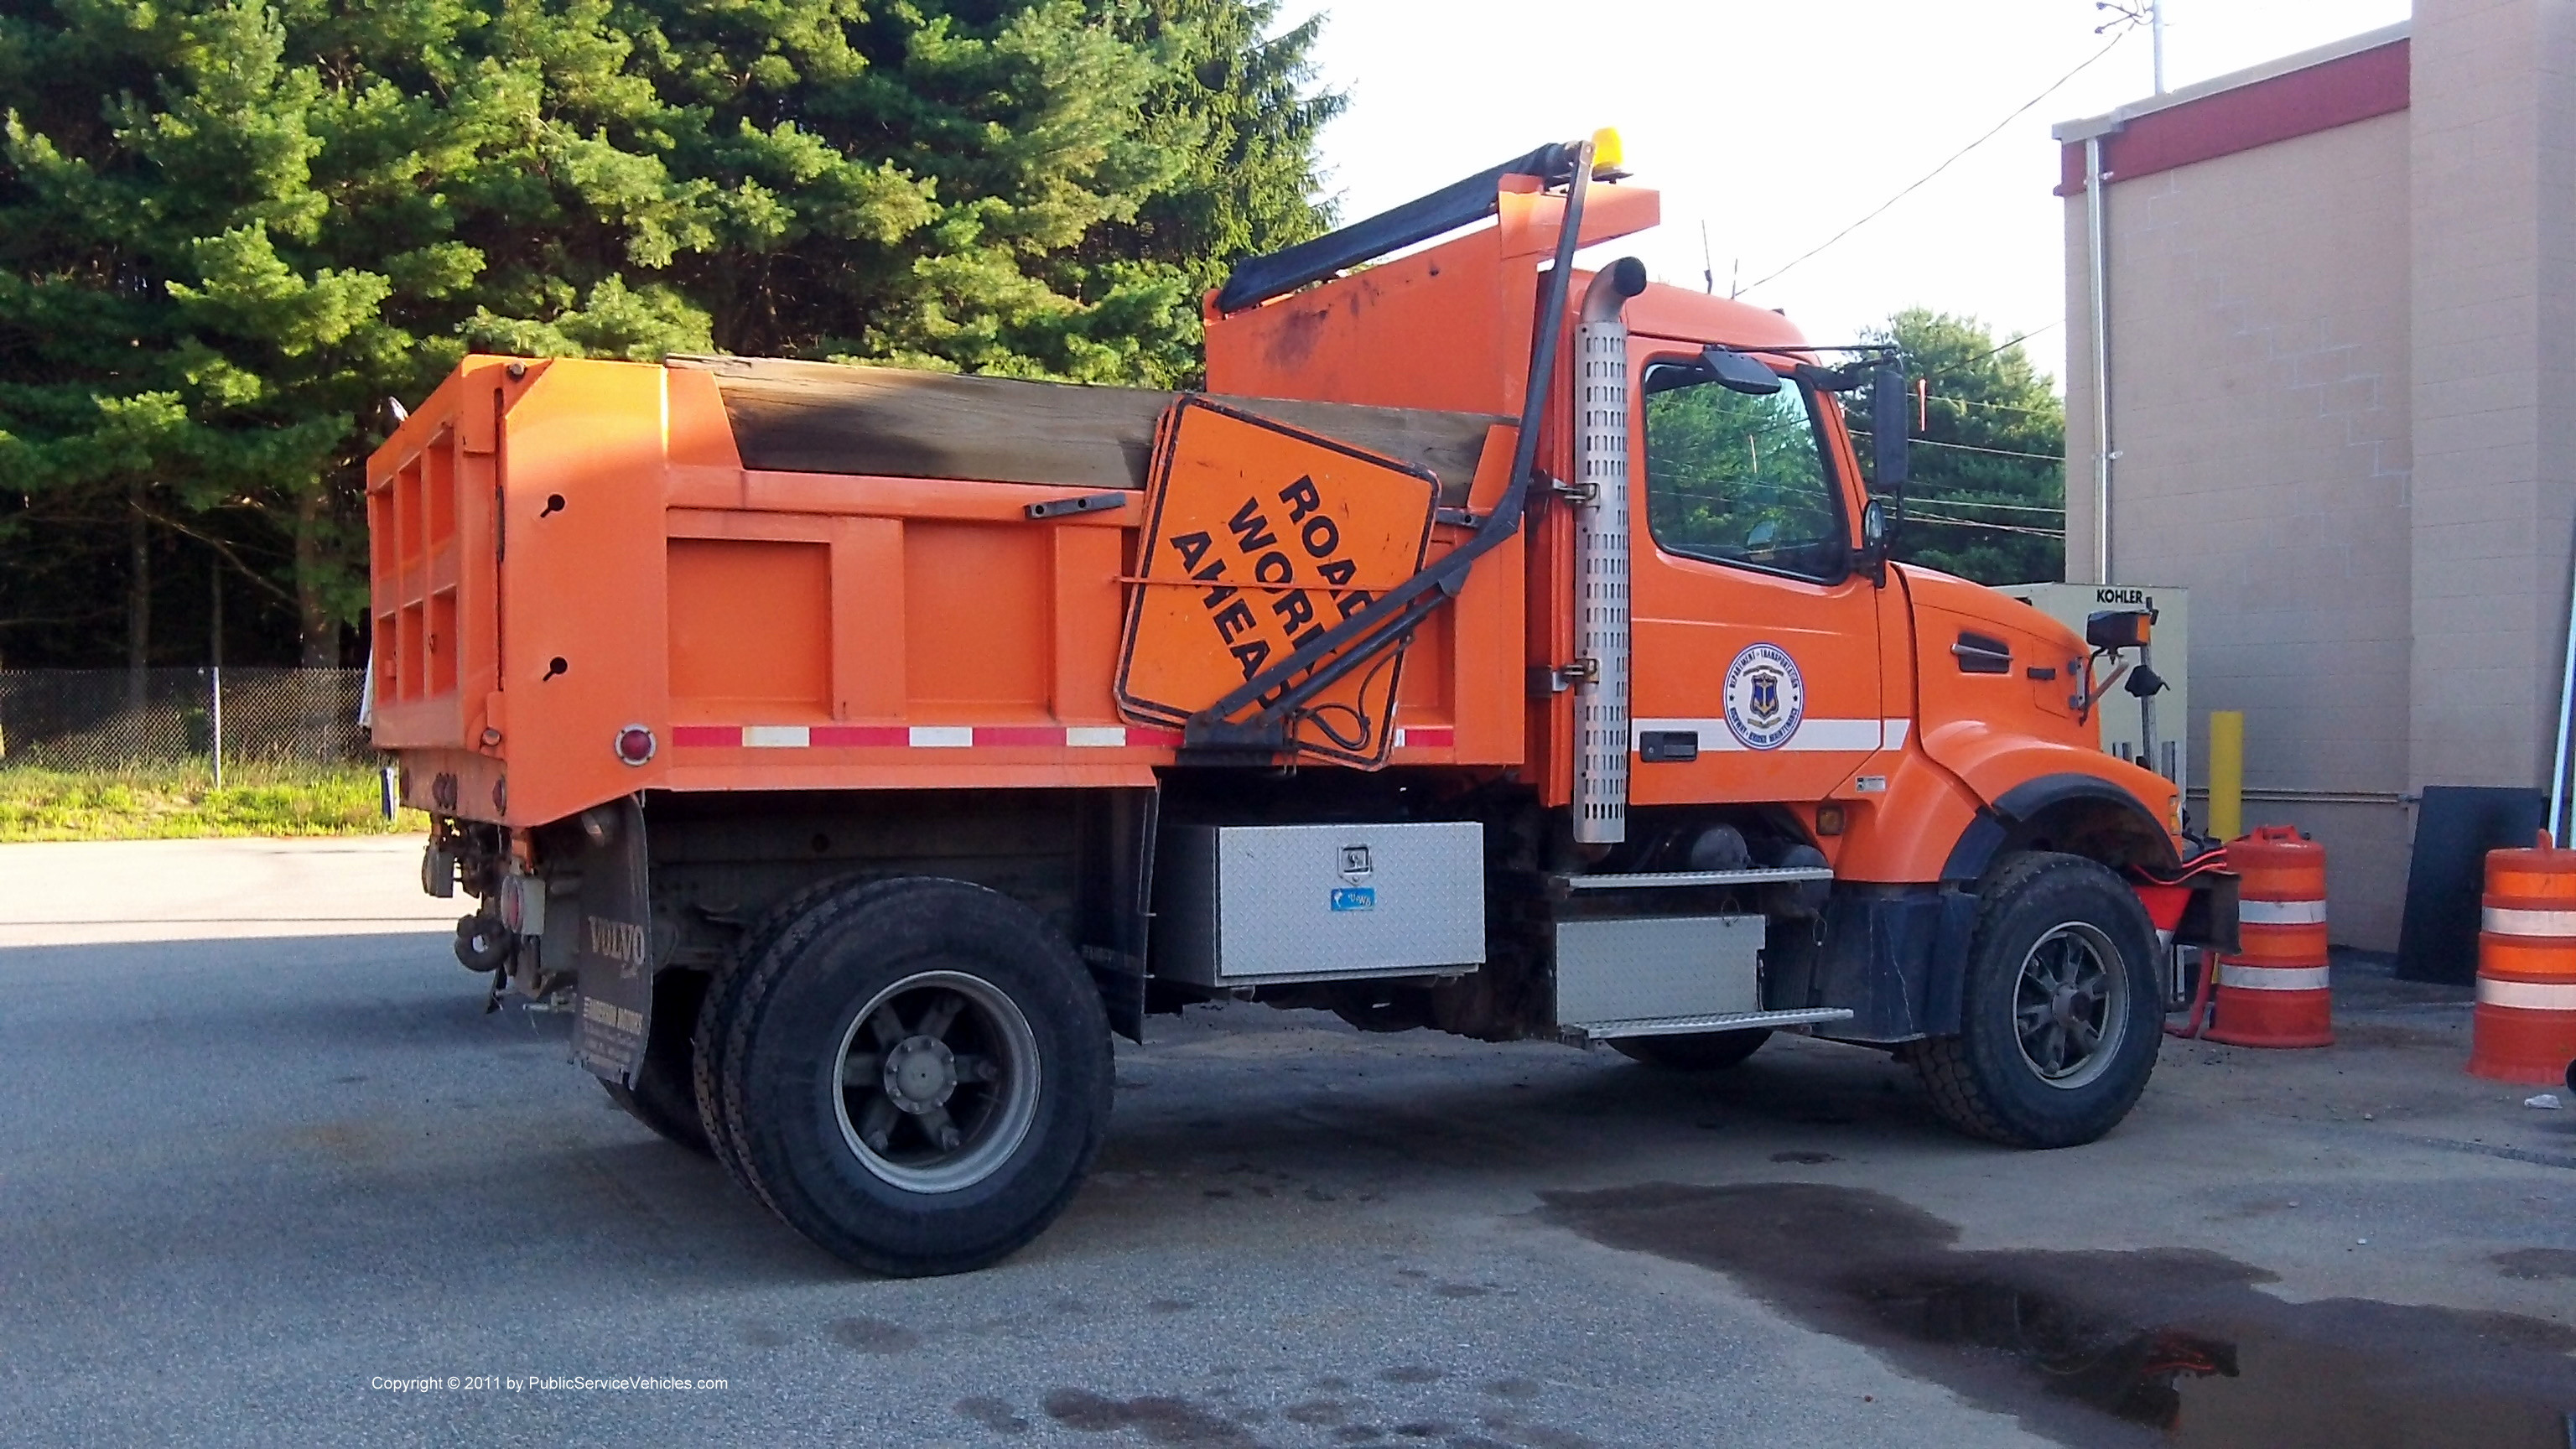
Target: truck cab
x=1494 y=646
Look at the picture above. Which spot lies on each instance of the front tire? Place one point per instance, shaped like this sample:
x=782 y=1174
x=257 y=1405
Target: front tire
x=1705 y=1051
x=2060 y=1012
x=918 y=1075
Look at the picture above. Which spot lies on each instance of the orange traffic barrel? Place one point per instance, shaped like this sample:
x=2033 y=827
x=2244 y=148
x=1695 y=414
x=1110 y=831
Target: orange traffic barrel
x=2524 y=1029
x=2272 y=989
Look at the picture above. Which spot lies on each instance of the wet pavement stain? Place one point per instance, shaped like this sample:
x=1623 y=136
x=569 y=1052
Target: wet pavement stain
x=2161 y=1346
x=1161 y=1420
x=2537 y=1263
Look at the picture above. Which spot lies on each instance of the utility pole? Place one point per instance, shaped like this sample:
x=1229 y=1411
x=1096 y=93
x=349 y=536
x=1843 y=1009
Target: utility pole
x=2149 y=13
x=2156 y=39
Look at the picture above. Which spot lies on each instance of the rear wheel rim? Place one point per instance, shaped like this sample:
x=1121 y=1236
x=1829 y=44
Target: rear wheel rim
x=936 y=1081
x=2070 y=1005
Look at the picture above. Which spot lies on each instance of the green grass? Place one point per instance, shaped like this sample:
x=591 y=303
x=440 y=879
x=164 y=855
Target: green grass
x=182 y=802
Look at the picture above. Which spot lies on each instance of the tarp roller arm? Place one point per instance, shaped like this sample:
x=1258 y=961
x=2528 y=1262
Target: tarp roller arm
x=1258 y=279
x=1362 y=637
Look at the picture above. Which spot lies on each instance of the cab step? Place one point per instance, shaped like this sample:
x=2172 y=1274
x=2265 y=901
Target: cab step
x=1692 y=1025
x=1678 y=879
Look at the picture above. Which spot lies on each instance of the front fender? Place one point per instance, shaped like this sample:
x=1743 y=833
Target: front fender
x=2025 y=783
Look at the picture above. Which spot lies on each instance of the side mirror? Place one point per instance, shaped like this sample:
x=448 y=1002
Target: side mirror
x=1738 y=373
x=1871 y=557
x=1888 y=426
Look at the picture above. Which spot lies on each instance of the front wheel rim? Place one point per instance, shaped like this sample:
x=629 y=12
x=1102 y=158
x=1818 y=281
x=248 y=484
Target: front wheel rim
x=936 y=1081
x=2070 y=1005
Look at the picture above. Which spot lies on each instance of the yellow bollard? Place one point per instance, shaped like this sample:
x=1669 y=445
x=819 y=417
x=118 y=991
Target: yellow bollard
x=2226 y=773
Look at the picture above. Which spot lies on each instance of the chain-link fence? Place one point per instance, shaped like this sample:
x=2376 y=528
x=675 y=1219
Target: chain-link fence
x=116 y=719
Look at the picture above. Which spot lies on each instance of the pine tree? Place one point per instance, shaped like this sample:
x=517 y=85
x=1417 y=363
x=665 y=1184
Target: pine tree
x=230 y=229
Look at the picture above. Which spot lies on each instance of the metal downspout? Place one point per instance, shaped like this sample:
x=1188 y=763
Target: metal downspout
x=2101 y=361
x=2566 y=720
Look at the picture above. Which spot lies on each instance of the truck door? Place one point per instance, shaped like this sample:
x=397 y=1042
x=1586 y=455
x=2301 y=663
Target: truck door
x=1754 y=671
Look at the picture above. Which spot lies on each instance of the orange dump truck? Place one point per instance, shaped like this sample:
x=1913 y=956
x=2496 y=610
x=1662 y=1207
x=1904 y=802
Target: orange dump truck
x=1494 y=647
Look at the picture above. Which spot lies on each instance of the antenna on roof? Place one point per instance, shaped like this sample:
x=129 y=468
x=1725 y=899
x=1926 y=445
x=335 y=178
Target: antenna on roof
x=1707 y=261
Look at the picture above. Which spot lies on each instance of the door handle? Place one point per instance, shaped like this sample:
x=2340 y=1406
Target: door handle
x=1659 y=747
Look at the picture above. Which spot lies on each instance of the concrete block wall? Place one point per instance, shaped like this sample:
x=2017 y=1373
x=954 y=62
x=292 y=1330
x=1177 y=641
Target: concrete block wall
x=2488 y=116
x=2261 y=408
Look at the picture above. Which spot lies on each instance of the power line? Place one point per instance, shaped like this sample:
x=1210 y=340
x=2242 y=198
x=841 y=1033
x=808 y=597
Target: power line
x=1913 y=500
x=1990 y=527
x=1973 y=402
x=1946 y=163
x=1966 y=448
x=1998 y=347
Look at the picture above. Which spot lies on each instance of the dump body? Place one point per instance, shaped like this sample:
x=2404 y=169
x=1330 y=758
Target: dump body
x=568 y=549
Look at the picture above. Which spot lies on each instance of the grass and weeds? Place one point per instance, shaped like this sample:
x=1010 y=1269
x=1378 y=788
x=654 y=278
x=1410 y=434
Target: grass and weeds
x=182 y=802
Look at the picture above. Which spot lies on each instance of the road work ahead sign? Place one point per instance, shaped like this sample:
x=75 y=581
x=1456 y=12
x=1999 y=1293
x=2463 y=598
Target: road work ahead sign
x=1259 y=538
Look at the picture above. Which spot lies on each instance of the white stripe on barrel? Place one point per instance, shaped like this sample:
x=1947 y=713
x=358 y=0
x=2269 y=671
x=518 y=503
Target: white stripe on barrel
x=2510 y=921
x=2281 y=913
x=2527 y=995
x=2271 y=978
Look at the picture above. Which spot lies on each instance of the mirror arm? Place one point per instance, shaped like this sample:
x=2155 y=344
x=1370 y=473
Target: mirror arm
x=1889 y=436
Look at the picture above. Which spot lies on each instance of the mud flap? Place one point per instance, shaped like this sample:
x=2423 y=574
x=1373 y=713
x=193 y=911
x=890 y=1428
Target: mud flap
x=613 y=945
x=1896 y=955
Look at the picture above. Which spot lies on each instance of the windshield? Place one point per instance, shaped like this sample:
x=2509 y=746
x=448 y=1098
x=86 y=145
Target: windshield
x=1740 y=479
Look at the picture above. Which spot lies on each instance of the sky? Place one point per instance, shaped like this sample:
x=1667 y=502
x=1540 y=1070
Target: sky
x=1775 y=124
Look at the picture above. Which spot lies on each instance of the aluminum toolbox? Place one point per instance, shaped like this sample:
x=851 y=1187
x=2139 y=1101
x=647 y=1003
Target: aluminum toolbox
x=1241 y=905
x=1613 y=973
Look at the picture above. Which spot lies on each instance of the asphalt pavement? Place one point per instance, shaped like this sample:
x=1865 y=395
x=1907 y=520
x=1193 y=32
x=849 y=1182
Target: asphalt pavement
x=269 y=1174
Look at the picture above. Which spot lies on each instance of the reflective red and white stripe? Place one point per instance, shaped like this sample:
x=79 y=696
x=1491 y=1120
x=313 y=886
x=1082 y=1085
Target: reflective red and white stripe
x=962 y=737
x=919 y=737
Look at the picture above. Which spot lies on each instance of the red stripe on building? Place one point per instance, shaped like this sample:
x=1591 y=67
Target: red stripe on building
x=2282 y=107
x=707 y=737
x=1147 y=735
x=1433 y=738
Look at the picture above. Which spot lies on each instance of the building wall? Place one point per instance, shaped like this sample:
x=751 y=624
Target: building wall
x=2261 y=387
x=2494 y=216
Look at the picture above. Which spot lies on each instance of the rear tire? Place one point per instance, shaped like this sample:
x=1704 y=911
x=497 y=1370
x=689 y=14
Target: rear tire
x=711 y=1033
x=2061 y=1011
x=1705 y=1051
x=917 y=1076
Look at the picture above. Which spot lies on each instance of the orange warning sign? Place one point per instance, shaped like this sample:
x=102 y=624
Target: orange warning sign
x=1258 y=539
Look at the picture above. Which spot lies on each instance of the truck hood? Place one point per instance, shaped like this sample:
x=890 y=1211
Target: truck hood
x=1997 y=684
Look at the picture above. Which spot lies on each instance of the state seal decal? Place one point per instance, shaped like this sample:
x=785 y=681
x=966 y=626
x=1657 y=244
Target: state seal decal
x=1765 y=697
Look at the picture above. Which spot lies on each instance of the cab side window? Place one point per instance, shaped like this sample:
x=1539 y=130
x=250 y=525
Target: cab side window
x=1741 y=479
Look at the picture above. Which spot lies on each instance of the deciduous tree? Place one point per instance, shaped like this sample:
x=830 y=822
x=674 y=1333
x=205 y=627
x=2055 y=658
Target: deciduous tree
x=1988 y=493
